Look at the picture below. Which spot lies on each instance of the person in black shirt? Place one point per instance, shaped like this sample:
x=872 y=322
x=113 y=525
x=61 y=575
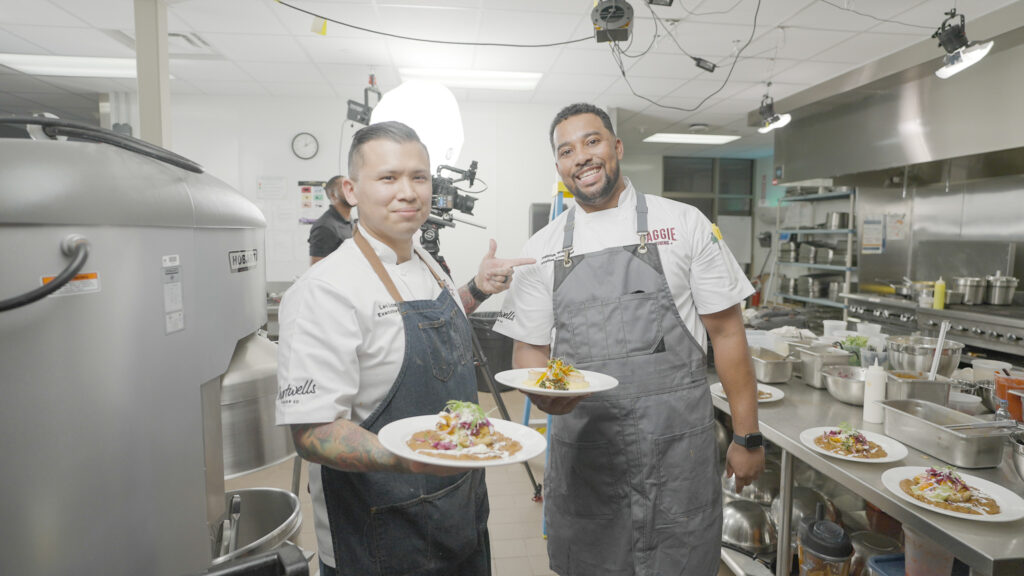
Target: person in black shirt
x=334 y=226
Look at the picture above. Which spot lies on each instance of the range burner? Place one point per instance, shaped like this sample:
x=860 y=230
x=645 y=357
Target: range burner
x=999 y=328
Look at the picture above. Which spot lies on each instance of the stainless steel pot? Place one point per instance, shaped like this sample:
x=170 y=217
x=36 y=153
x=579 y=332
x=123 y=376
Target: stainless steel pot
x=837 y=220
x=973 y=289
x=999 y=289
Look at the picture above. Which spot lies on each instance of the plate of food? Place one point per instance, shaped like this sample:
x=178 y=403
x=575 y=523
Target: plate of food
x=952 y=493
x=559 y=379
x=461 y=436
x=847 y=443
x=765 y=393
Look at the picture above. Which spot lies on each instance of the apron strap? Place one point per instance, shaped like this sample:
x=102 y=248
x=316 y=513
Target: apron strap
x=641 y=221
x=382 y=273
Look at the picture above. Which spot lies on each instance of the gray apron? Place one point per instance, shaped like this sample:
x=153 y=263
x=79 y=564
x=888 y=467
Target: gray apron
x=632 y=487
x=388 y=524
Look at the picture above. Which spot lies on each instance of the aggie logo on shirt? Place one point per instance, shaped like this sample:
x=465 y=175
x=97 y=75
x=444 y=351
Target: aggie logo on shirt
x=291 y=394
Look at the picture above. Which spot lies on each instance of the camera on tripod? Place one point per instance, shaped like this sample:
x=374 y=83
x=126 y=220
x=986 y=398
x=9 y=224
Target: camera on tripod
x=445 y=197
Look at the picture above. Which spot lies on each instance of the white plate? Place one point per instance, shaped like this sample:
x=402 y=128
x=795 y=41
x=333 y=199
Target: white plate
x=519 y=379
x=894 y=450
x=1011 y=506
x=777 y=394
x=394 y=436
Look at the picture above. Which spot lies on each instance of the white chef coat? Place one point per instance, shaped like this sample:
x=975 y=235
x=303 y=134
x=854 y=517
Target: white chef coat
x=702 y=274
x=342 y=342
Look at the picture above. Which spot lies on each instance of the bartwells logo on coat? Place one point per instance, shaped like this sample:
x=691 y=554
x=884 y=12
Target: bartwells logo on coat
x=289 y=394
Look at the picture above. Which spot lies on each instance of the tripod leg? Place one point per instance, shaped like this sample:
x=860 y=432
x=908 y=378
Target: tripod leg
x=480 y=361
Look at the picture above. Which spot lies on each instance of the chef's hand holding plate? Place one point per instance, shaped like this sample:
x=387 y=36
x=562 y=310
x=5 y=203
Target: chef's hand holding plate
x=413 y=467
x=555 y=405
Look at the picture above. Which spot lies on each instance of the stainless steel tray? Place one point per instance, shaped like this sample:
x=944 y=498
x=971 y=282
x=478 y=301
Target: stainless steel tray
x=813 y=359
x=771 y=367
x=922 y=424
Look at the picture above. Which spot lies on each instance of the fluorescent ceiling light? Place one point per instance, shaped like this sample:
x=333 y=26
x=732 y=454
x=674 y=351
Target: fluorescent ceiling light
x=488 y=79
x=670 y=138
x=963 y=58
x=37 y=65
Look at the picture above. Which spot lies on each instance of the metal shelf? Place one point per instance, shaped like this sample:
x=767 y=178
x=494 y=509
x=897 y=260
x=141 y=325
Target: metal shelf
x=821 y=266
x=818 y=301
x=816 y=197
x=817 y=231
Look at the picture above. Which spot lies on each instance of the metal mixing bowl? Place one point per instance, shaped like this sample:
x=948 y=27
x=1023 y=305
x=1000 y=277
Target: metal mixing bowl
x=1017 y=442
x=747 y=525
x=845 y=383
x=914 y=353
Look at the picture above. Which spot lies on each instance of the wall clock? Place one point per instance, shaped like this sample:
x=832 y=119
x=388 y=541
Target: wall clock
x=305 y=145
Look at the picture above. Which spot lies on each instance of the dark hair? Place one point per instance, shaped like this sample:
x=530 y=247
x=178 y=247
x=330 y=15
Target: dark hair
x=575 y=110
x=394 y=131
x=334 y=182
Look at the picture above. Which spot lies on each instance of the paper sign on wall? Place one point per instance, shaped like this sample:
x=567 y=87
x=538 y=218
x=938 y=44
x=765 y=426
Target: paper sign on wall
x=895 y=226
x=312 y=200
x=873 y=235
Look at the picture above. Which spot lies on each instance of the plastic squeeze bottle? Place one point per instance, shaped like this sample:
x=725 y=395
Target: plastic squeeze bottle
x=874 y=392
x=939 y=300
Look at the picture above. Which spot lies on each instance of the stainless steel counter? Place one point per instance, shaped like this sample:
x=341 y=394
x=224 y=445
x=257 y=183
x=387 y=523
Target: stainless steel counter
x=990 y=548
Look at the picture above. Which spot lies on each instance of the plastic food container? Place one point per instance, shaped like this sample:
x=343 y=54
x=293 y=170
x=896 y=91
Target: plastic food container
x=867 y=545
x=824 y=548
x=891 y=565
x=966 y=403
x=924 y=557
x=831 y=327
x=1015 y=381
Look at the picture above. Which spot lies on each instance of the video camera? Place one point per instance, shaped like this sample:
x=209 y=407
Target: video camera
x=445 y=197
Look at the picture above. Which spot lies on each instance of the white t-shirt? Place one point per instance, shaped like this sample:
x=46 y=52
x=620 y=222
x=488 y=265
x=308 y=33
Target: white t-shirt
x=702 y=274
x=342 y=342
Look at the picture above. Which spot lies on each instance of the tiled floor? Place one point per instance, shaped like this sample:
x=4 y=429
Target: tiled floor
x=517 y=543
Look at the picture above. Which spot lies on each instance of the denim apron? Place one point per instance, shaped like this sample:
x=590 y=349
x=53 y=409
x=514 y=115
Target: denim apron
x=388 y=524
x=632 y=487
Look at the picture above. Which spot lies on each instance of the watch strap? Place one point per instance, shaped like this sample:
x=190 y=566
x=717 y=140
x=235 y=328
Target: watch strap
x=475 y=292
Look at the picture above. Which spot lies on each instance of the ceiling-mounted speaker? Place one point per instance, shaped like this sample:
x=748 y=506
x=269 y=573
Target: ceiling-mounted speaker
x=612 y=20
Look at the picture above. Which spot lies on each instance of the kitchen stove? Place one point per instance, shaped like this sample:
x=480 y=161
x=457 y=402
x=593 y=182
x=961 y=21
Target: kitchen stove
x=895 y=315
x=999 y=328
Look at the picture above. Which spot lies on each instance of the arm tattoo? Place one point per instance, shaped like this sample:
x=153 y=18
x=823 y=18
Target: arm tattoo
x=468 y=302
x=344 y=446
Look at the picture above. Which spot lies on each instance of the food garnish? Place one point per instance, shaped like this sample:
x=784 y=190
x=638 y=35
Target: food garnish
x=945 y=488
x=847 y=441
x=463 y=432
x=560 y=375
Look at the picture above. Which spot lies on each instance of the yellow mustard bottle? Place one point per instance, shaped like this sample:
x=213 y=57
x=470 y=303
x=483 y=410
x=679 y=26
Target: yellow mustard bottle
x=939 y=301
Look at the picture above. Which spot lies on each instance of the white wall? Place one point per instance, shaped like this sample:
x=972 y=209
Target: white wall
x=240 y=140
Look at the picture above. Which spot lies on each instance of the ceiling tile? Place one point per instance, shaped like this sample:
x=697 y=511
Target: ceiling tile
x=299 y=89
x=675 y=66
x=652 y=87
x=710 y=41
x=362 y=14
x=337 y=50
x=499 y=96
x=94 y=85
x=832 y=16
x=282 y=71
x=36 y=12
x=405 y=53
x=355 y=75
x=799 y=43
x=256 y=48
x=771 y=13
x=72 y=41
x=230 y=88
x=11 y=44
x=519 y=27
x=432 y=23
x=207 y=70
x=866 y=47
x=582 y=7
x=231 y=16
x=591 y=83
x=112 y=14
x=576 y=61
x=515 y=59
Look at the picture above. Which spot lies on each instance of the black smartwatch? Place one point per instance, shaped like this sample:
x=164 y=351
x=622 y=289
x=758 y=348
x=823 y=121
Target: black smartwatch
x=477 y=294
x=752 y=440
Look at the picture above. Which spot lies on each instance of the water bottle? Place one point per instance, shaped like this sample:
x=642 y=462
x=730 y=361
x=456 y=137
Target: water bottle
x=1002 y=413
